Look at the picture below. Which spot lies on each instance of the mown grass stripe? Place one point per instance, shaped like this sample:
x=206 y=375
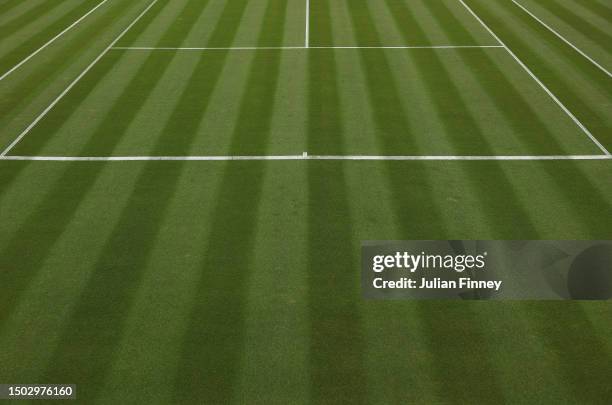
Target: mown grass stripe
x=8 y=5
x=52 y=295
x=336 y=353
x=54 y=212
x=578 y=348
x=448 y=358
x=116 y=121
x=88 y=342
x=577 y=22
x=580 y=181
x=177 y=135
x=520 y=112
x=418 y=215
x=42 y=227
x=434 y=73
x=96 y=359
x=590 y=71
x=394 y=131
x=212 y=346
x=28 y=18
x=14 y=12
x=277 y=328
x=213 y=343
x=127 y=107
x=591 y=211
x=93 y=367
x=408 y=31
x=541 y=84
x=457 y=33
x=41 y=39
x=231 y=16
x=252 y=130
x=146 y=21
x=30 y=28
x=597 y=8
x=503 y=93
x=30 y=86
x=564 y=39
x=527 y=51
x=320 y=24
x=578 y=380
x=325 y=130
x=157 y=319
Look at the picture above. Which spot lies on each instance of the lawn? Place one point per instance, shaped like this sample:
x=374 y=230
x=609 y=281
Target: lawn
x=185 y=185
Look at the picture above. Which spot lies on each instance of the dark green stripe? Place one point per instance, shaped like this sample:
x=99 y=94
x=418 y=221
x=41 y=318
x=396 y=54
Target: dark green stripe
x=412 y=34
x=394 y=133
x=93 y=344
x=589 y=71
x=30 y=16
x=336 y=354
x=89 y=341
x=8 y=5
x=178 y=133
x=223 y=36
x=214 y=341
x=525 y=50
x=520 y=113
x=325 y=114
x=600 y=9
x=596 y=349
x=41 y=37
x=577 y=22
x=252 y=132
x=35 y=83
x=466 y=136
x=581 y=185
x=56 y=209
x=212 y=346
x=127 y=106
x=577 y=346
x=525 y=122
x=469 y=356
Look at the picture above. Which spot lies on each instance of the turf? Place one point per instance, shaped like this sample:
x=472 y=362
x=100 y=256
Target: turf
x=238 y=281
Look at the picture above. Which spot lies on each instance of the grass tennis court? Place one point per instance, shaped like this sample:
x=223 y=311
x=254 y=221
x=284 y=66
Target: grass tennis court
x=184 y=186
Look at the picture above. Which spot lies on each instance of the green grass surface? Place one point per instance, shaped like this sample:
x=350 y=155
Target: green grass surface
x=239 y=281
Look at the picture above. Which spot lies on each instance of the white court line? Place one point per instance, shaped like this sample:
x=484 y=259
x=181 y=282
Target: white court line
x=17 y=66
x=74 y=82
x=303 y=156
x=307 y=30
x=563 y=39
x=542 y=85
x=254 y=48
